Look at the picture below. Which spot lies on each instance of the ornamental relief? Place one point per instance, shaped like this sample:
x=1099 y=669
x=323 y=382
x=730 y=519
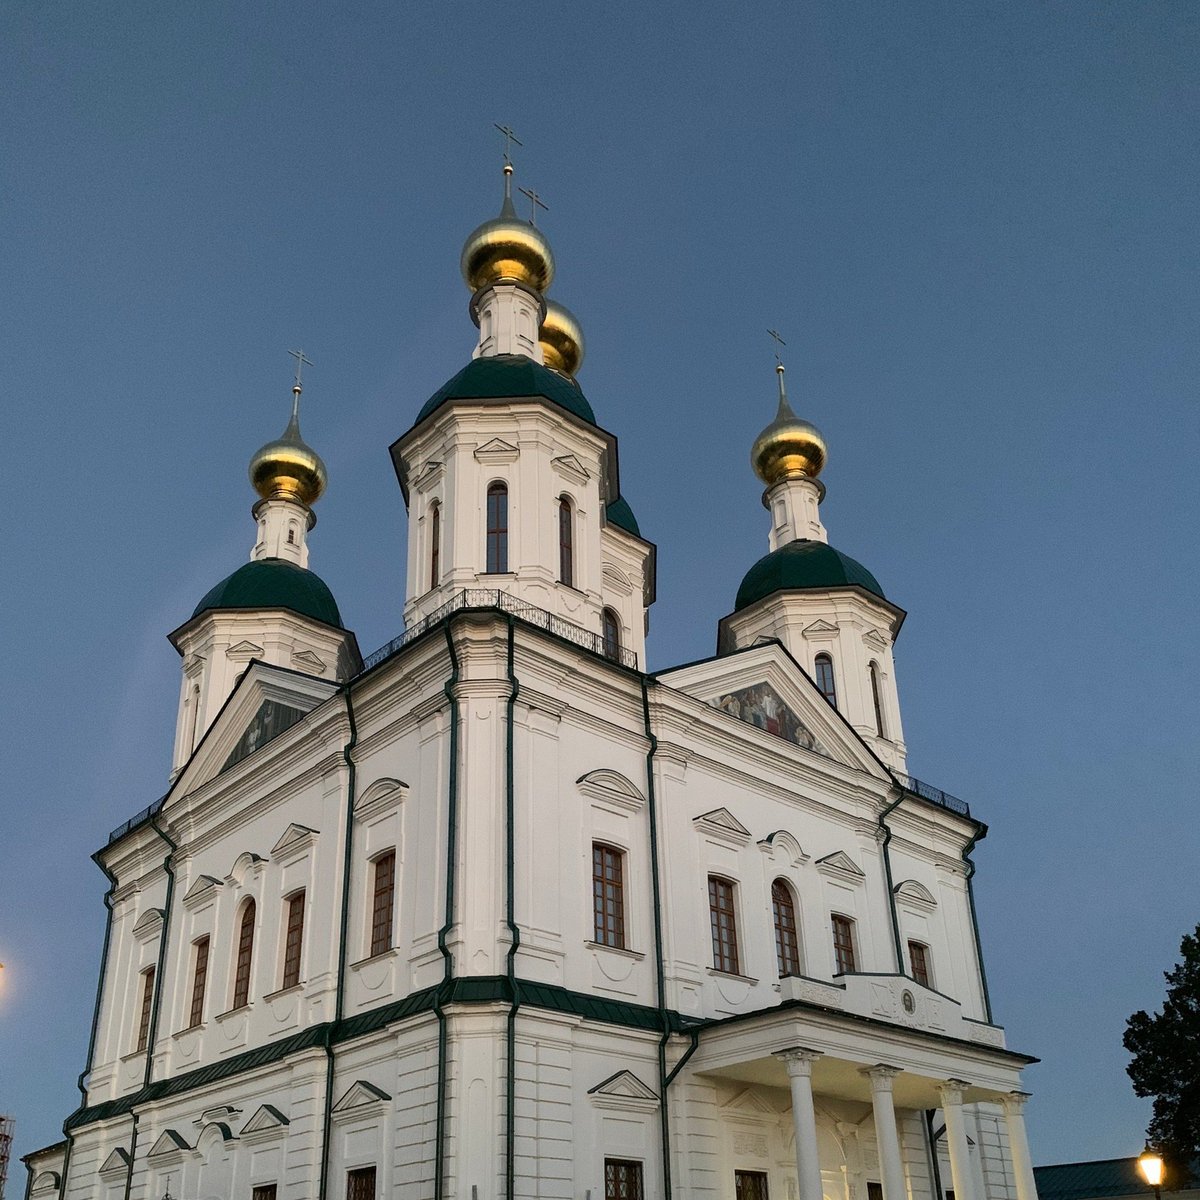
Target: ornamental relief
x=763 y=707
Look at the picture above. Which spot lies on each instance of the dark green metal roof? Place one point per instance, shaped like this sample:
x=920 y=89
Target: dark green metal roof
x=500 y=376
x=619 y=513
x=1091 y=1180
x=803 y=565
x=274 y=583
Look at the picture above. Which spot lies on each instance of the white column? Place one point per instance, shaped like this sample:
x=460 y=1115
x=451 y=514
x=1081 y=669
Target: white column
x=795 y=513
x=886 y=1138
x=1018 y=1145
x=956 y=1139
x=804 y=1119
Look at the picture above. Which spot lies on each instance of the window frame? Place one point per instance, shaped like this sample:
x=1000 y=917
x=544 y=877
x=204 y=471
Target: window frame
x=264 y=1191
x=925 y=976
x=847 y=950
x=826 y=684
x=382 y=929
x=602 y=927
x=496 y=534
x=435 y=544
x=610 y=626
x=566 y=541
x=615 y=1189
x=147 y=975
x=201 y=953
x=359 y=1175
x=781 y=932
x=876 y=698
x=243 y=959
x=761 y=1190
x=296 y=906
x=726 y=955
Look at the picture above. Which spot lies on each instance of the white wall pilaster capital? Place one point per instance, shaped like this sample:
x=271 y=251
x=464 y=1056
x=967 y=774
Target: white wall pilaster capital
x=798 y=1060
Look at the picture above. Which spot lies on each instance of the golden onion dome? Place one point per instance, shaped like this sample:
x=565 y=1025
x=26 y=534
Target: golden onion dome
x=288 y=468
x=788 y=448
x=561 y=339
x=507 y=248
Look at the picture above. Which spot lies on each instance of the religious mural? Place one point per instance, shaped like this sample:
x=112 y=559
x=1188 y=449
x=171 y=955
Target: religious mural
x=762 y=705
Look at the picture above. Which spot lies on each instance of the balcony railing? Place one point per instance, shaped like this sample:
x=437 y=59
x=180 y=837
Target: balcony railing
x=484 y=598
x=136 y=819
x=934 y=795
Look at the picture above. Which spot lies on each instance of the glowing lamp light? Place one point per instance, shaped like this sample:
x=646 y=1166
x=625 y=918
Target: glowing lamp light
x=1151 y=1167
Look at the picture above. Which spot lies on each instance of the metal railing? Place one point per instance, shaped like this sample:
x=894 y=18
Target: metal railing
x=484 y=598
x=136 y=819
x=934 y=795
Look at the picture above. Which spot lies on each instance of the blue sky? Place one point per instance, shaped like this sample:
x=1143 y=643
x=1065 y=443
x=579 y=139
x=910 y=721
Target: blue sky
x=976 y=226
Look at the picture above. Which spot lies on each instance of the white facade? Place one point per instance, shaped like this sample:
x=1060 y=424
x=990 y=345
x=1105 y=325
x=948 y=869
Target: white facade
x=452 y=1011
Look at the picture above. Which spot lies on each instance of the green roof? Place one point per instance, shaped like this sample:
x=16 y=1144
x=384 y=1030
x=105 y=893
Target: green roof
x=619 y=513
x=1090 y=1180
x=499 y=376
x=274 y=583
x=800 y=566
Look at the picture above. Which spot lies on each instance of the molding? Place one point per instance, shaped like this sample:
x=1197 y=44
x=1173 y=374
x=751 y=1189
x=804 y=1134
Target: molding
x=429 y=474
x=873 y=637
x=611 y=790
x=359 y=1096
x=116 y=1164
x=266 y=1122
x=306 y=658
x=496 y=451
x=569 y=466
x=148 y=925
x=245 y=862
x=820 y=629
x=841 y=866
x=244 y=650
x=784 y=842
x=201 y=891
x=916 y=894
x=293 y=843
x=722 y=826
x=221 y=1114
x=624 y=1091
x=380 y=797
x=170 y=1146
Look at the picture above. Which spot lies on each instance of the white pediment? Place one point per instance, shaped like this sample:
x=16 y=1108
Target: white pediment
x=148 y=924
x=916 y=893
x=765 y=688
x=819 y=628
x=497 y=450
x=749 y=1100
x=612 y=790
x=840 y=863
x=429 y=474
x=360 y=1094
x=569 y=466
x=242 y=866
x=45 y=1184
x=874 y=637
x=203 y=889
x=266 y=1119
x=722 y=826
x=379 y=797
x=222 y=1112
x=117 y=1163
x=782 y=846
x=294 y=840
x=306 y=660
x=624 y=1090
x=169 y=1144
x=244 y=651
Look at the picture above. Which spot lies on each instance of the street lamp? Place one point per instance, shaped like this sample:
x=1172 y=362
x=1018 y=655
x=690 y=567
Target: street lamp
x=1151 y=1166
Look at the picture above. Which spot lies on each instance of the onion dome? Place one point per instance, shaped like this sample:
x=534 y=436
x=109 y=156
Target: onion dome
x=788 y=448
x=507 y=248
x=288 y=468
x=620 y=514
x=804 y=565
x=274 y=583
x=510 y=377
x=561 y=339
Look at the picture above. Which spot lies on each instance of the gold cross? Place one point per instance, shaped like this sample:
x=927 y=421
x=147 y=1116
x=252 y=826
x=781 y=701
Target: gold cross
x=509 y=139
x=536 y=202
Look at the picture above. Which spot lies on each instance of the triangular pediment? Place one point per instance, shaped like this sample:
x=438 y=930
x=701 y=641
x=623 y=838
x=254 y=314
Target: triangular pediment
x=117 y=1162
x=264 y=703
x=497 y=450
x=203 y=889
x=569 y=466
x=724 y=825
x=873 y=637
x=265 y=1119
x=294 y=838
x=306 y=660
x=764 y=687
x=360 y=1093
x=169 y=1142
x=840 y=863
x=624 y=1090
x=244 y=650
x=819 y=627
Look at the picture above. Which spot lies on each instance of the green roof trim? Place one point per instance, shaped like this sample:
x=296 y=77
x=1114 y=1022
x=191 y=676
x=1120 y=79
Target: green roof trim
x=274 y=583
x=620 y=514
x=501 y=376
x=1095 y=1180
x=803 y=565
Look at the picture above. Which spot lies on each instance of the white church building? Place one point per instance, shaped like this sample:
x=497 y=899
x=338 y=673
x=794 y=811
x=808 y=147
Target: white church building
x=498 y=913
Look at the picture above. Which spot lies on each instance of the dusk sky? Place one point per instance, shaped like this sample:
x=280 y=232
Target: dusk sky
x=974 y=223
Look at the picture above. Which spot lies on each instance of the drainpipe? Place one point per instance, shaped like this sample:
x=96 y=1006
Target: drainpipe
x=887 y=867
x=514 y=931
x=91 y=1050
x=340 y=990
x=448 y=924
x=978 y=837
x=159 y=973
x=132 y=1156
x=663 y=1078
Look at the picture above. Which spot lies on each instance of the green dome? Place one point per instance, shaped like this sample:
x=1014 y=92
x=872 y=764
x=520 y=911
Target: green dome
x=800 y=566
x=619 y=513
x=274 y=583
x=503 y=375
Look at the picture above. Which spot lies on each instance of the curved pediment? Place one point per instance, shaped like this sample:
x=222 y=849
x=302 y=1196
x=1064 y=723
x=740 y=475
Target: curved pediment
x=611 y=788
x=783 y=844
x=918 y=893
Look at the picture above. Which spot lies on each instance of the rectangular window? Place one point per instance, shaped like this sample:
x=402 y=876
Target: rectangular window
x=918 y=956
x=147 y=1003
x=264 y=1191
x=608 y=896
x=874 y=1190
x=622 y=1179
x=199 y=979
x=383 y=902
x=294 y=941
x=360 y=1184
x=724 y=926
x=843 y=944
x=750 y=1185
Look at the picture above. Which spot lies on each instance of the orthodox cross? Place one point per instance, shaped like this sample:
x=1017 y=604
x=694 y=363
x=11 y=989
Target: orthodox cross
x=536 y=203
x=298 y=355
x=510 y=138
x=775 y=334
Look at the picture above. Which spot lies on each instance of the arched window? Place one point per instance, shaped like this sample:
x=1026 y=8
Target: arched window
x=824 y=665
x=873 y=671
x=566 y=542
x=194 y=716
x=245 y=953
x=291 y=535
x=612 y=634
x=787 y=942
x=497 y=529
x=435 y=544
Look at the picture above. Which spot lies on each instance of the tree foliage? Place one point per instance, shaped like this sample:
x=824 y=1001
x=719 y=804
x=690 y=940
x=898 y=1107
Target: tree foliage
x=1166 y=1064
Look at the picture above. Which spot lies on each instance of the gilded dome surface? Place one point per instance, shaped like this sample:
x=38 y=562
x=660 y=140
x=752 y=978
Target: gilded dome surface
x=789 y=448
x=561 y=338
x=507 y=248
x=288 y=468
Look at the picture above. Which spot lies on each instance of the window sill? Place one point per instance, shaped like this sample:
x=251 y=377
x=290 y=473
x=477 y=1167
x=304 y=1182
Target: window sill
x=197 y=1028
x=295 y=987
x=390 y=952
x=233 y=1012
x=731 y=975
x=134 y=1054
x=636 y=955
